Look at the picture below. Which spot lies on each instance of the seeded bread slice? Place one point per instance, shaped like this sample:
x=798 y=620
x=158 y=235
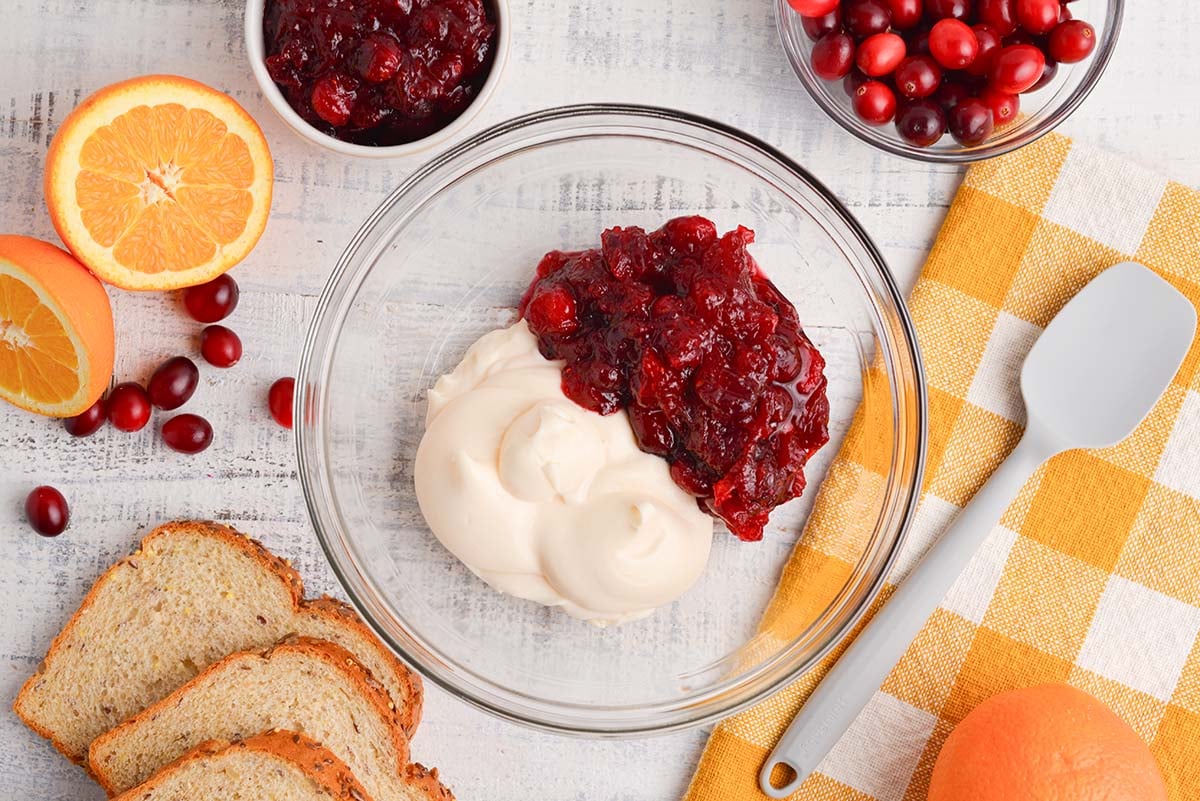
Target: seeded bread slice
x=193 y=593
x=307 y=686
x=278 y=766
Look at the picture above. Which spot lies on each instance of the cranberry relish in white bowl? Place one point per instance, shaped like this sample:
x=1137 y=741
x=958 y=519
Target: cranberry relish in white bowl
x=377 y=78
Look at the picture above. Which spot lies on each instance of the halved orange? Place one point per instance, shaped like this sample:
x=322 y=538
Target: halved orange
x=159 y=182
x=56 y=329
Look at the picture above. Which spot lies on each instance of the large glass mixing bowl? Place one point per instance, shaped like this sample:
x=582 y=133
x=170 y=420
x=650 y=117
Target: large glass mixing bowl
x=444 y=260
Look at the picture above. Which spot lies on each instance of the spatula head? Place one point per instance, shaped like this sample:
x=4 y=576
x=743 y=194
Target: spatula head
x=1105 y=360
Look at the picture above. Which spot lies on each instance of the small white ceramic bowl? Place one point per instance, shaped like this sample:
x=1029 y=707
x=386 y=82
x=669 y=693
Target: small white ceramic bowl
x=256 y=52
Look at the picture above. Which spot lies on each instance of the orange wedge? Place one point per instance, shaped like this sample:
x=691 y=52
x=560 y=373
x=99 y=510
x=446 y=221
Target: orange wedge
x=159 y=182
x=56 y=329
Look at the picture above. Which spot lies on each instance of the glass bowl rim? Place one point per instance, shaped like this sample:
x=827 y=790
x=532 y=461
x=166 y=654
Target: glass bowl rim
x=821 y=94
x=680 y=714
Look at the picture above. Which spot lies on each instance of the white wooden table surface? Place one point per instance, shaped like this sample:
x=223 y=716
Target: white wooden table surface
x=718 y=58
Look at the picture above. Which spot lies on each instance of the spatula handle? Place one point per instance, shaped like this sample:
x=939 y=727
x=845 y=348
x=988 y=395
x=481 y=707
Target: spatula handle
x=852 y=682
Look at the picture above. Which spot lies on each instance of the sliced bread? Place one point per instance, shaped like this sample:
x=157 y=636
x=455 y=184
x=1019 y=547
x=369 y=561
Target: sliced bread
x=193 y=593
x=277 y=766
x=312 y=687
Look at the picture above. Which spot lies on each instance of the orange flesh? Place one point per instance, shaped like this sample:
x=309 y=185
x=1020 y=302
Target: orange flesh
x=37 y=358
x=164 y=187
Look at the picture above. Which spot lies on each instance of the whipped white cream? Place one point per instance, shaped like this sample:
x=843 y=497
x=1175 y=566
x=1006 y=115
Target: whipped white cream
x=549 y=501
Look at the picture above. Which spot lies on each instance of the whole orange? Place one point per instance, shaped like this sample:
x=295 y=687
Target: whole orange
x=1047 y=743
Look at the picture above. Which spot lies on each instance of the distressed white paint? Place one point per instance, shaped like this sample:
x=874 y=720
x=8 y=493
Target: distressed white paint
x=718 y=58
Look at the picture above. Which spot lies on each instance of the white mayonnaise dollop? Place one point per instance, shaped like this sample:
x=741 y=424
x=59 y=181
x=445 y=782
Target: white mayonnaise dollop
x=549 y=501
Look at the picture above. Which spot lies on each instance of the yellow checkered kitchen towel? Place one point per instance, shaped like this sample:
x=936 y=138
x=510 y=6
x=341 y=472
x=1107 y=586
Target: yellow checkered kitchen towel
x=1093 y=576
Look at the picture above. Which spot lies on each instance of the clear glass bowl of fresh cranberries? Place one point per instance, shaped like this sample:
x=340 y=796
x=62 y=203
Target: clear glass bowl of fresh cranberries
x=449 y=256
x=949 y=80
x=377 y=78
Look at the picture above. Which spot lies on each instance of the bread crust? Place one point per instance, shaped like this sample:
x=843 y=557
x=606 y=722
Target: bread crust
x=277 y=567
x=333 y=655
x=344 y=614
x=426 y=780
x=316 y=761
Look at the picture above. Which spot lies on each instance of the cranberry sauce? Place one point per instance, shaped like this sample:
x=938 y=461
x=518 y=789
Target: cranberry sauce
x=682 y=329
x=379 y=72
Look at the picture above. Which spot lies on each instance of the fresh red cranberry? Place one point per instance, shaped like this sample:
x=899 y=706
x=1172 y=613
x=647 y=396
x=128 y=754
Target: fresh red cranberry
x=187 y=433
x=989 y=47
x=813 y=8
x=279 y=401
x=213 y=301
x=679 y=327
x=852 y=81
x=906 y=14
x=1017 y=68
x=1071 y=41
x=953 y=44
x=816 y=27
x=1065 y=13
x=128 y=407
x=971 y=122
x=950 y=94
x=921 y=123
x=918 y=41
x=875 y=103
x=220 y=346
x=866 y=17
x=88 y=422
x=948 y=9
x=378 y=58
x=1004 y=106
x=46 y=510
x=880 y=54
x=999 y=15
x=918 y=77
x=173 y=383
x=380 y=72
x=1048 y=73
x=1038 y=16
x=833 y=56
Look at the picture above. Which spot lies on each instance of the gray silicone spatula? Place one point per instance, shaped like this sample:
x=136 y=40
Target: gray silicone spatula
x=1089 y=380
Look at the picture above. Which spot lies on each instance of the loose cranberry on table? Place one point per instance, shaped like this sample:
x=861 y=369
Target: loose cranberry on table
x=279 y=401
x=187 y=433
x=129 y=407
x=173 y=383
x=680 y=328
x=88 y=422
x=212 y=301
x=220 y=346
x=382 y=72
x=47 y=512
